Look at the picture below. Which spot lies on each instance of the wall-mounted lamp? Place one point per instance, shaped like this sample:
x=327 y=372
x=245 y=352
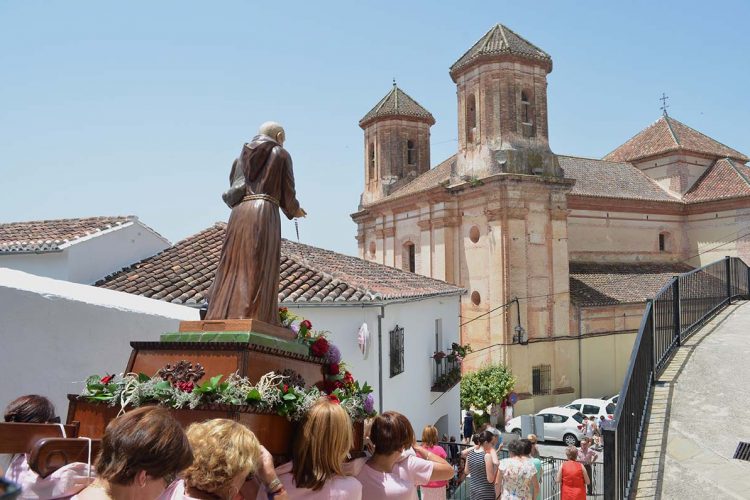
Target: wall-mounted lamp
x=520 y=336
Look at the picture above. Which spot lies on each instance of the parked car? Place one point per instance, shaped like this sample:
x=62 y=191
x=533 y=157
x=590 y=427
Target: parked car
x=560 y=424
x=592 y=407
x=613 y=399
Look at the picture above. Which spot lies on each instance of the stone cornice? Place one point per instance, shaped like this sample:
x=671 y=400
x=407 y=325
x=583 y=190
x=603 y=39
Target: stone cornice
x=559 y=213
x=447 y=221
x=517 y=212
x=425 y=225
x=493 y=214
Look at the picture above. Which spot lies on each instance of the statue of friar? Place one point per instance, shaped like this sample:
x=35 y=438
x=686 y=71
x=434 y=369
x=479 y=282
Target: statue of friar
x=246 y=285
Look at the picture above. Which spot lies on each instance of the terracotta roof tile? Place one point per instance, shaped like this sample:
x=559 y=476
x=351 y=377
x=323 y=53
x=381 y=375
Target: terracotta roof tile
x=498 y=41
x=183 y=273
x=724 y=179
x=397 y=103
x=49 y=235
x=668 y=135
x=607 y=284
x=610 y=179
x=437 y=175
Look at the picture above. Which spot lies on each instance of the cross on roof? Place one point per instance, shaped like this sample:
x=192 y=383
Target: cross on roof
x=664 y=104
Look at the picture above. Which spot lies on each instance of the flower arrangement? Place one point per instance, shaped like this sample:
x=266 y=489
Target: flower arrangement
x=280 y=393
x=271 y=394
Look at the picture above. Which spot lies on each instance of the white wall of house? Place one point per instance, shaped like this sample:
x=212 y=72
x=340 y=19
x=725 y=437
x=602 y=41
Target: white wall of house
x=93 y=257
x=409 y=392
x=53 y=334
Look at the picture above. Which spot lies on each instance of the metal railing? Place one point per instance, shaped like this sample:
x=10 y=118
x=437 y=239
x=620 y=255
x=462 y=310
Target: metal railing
x=446 y=373
x=679 y=309
x=458 y=488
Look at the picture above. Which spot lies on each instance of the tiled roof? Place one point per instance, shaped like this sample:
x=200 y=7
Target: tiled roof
x=48 y=235
x=437 y=175
x=397 y=103
x=609 y=179
x=724 y=179
x=183 y=273
x=500 y=40
x=607 y=284
x=668 y=135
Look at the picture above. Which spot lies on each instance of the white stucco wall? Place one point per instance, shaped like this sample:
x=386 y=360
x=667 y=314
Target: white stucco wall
x=409 y=392
x=54 y=333
x=103 y=254
x=93 y=257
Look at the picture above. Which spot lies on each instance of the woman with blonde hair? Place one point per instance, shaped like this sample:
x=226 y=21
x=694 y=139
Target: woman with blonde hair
x=323 y=442
x=434 y=490
x=225 y=454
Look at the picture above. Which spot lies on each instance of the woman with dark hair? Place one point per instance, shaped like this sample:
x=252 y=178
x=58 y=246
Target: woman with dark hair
x=32 y=409
x=392 y=474
x=65 y=481
x=141 y=451
x=517 y=474
x=481 y=464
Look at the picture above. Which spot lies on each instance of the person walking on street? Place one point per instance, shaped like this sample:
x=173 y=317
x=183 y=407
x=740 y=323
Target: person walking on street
x=468 y=426
x=587 y=456
x=572 y=477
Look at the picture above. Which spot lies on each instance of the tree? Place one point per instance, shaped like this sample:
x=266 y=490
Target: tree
x=485 y=387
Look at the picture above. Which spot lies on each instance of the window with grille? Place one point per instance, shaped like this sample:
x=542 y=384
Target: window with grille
x=541 y=379
x=397 y=351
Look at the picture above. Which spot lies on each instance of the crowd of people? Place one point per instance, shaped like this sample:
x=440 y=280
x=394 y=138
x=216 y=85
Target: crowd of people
x=146 y=454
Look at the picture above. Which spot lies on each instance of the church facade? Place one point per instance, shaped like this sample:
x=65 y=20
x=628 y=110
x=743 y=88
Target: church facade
x=557 y=253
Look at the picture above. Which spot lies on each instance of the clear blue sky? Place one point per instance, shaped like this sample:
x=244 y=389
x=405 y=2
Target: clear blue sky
x=140 y=107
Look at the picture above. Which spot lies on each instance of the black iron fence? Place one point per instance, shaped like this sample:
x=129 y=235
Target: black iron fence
x=458 y=488
x=680 y=308
x=446 y=374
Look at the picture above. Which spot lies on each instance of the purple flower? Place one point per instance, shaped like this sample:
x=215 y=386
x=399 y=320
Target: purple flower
x=295 y=328
x=369 y=403
x=334 y=355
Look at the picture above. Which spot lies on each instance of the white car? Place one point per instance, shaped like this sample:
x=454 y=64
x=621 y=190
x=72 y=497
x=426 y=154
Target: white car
x=592 y=407
x=560 y=424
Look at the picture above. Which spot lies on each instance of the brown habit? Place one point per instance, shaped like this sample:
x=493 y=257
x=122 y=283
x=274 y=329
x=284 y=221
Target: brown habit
x=246 y=285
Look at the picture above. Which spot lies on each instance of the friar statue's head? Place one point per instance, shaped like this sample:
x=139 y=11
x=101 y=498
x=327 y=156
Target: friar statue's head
x=273 y=130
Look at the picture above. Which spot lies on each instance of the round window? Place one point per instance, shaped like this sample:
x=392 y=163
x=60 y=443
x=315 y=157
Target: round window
x=476 y=299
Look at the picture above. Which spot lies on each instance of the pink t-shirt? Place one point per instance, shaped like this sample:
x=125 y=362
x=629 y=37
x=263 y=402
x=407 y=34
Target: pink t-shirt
x=63 y=483
x=399 y=484
x=336 y=488
x=439 y=451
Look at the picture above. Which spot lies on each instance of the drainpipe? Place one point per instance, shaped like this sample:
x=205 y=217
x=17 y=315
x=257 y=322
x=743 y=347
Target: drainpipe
x=380 y=358
x=580 y=352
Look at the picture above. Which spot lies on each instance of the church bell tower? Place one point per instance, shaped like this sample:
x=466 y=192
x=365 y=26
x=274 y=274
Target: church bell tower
x=501 y=84
x=397 y=144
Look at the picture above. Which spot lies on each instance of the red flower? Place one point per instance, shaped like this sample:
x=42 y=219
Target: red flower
x=337 y=384
x=327 y=386
x=286 y=388
x=306 y=324
x=333 y=369
x=283 y=309
x=186 y=386
x=333 y=398
x=106 y=380
x=348 y=378
x=319 y=348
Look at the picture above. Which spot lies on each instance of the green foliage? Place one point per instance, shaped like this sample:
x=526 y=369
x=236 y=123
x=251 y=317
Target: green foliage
x=486 y=386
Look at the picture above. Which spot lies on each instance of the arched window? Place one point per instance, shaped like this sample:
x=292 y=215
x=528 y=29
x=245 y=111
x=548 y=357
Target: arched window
x=409 y=257
x=471 y=118
x=371 y=162
x=411 y=153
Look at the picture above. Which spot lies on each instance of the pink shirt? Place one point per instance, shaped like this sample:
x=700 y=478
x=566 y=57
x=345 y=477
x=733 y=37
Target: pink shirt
x=336 y=488
x=439 y=451
x=175 y=491
x=63 y=483
x=399 y=484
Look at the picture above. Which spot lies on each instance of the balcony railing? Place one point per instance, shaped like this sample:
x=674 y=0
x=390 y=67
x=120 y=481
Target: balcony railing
x=446 y=372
